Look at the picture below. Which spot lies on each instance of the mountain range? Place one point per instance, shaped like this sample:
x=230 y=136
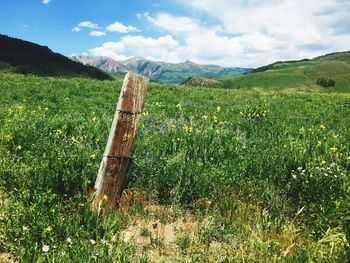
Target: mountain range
x=160 y=71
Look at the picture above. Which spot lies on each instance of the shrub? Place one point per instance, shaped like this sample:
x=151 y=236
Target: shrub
x=325 y=82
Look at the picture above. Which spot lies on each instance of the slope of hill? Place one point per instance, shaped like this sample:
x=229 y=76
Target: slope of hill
x=29 y=58
x=201 y=81
x=301 y=74
x=160 y=71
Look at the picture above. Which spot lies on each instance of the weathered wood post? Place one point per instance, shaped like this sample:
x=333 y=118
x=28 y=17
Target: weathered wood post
x=112 y=173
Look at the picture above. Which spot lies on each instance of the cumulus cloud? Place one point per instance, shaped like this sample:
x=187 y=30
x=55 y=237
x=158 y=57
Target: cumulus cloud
x=239 y=33
x=164 y=48
x=46 y=2
x=97 y=33
x=120 y=28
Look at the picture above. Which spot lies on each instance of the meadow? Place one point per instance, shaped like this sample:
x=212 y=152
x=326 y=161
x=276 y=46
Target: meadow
x=233 y=175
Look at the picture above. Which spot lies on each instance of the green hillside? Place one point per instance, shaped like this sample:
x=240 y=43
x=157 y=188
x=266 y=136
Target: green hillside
x=298 y=75
x=25 y=57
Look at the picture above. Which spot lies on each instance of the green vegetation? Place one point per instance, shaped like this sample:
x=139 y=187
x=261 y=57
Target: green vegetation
x=230 y=175
x=24 y=57
x=298 y=75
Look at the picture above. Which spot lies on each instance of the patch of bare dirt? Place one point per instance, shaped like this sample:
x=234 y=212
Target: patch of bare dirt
x=8 y=258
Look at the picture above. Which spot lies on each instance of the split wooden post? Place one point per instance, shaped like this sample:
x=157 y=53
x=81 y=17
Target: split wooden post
x=112 y=173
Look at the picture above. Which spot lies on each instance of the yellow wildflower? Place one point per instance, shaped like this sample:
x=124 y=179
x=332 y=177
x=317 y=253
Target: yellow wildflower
x=46 y=109
x=241 y=113
x=94 y=120
x=319 y=143
x=145 y=113
x=73 y=139
x=322 y=127
x=58 y=133
x=190 y=129
x=105 y=198
x=8 y=138
x=348 y=158
x=205 y=117
x=322 y=162
x=19 y=147
x=173 y=126
x=20 y=107
x=218 y=109
x=333 y=149
x=93 y=156
x=48 y=229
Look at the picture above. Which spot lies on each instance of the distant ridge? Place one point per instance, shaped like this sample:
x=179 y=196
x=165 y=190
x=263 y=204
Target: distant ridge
x=29 y=58
x=160 y=71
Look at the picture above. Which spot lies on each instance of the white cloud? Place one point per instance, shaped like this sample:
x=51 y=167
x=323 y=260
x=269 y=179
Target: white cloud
x=46 y=2
x=88 y=24
x=120 y=28
x=245 y=33
x=273 y=29
x=97 y=33
x=76 y=29
x=164 y=48
x=172 y=23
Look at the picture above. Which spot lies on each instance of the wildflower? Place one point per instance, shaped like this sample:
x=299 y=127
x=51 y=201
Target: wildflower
x=8 y=138
x=25 y=228
x=19 y=147
x=94 y=120
x=322 y=127
x=20 y=107
x=348 y=158
x=218 y=109
x=58 y=133
x=93 y=156
x=73 y=139
x=105 y=198
x=143 y=126
x=93 y=242
x=207 y=202
x=173 y=126
x=190 y=129
x=48 y=229
x=333 y=149
x=205 y=117
x=319 y=143
x=46 y=109
x=241 y=113
x=69 y=241
x=145 y=113
x=322 y=162
x=45 y=248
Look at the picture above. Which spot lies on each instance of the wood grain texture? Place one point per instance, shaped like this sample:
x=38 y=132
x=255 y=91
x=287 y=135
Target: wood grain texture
x=117 y=156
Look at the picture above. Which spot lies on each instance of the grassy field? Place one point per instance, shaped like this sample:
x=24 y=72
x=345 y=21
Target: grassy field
x=298 y=75
x=218 y=175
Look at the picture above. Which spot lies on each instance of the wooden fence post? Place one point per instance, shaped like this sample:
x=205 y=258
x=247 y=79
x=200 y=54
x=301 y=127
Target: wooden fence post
x=112 y=173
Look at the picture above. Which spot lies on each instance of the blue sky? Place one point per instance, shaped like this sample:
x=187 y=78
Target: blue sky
x=226 y=32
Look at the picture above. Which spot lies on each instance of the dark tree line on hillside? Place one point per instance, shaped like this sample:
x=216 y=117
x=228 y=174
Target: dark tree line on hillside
x=29 y=58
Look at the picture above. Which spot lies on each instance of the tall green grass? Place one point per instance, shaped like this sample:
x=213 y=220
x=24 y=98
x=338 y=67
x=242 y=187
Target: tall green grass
x=212 y=151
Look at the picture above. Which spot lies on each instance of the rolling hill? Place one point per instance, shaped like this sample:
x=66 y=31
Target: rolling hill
x=297 y=75
x=29 y=58
x=160 y=71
